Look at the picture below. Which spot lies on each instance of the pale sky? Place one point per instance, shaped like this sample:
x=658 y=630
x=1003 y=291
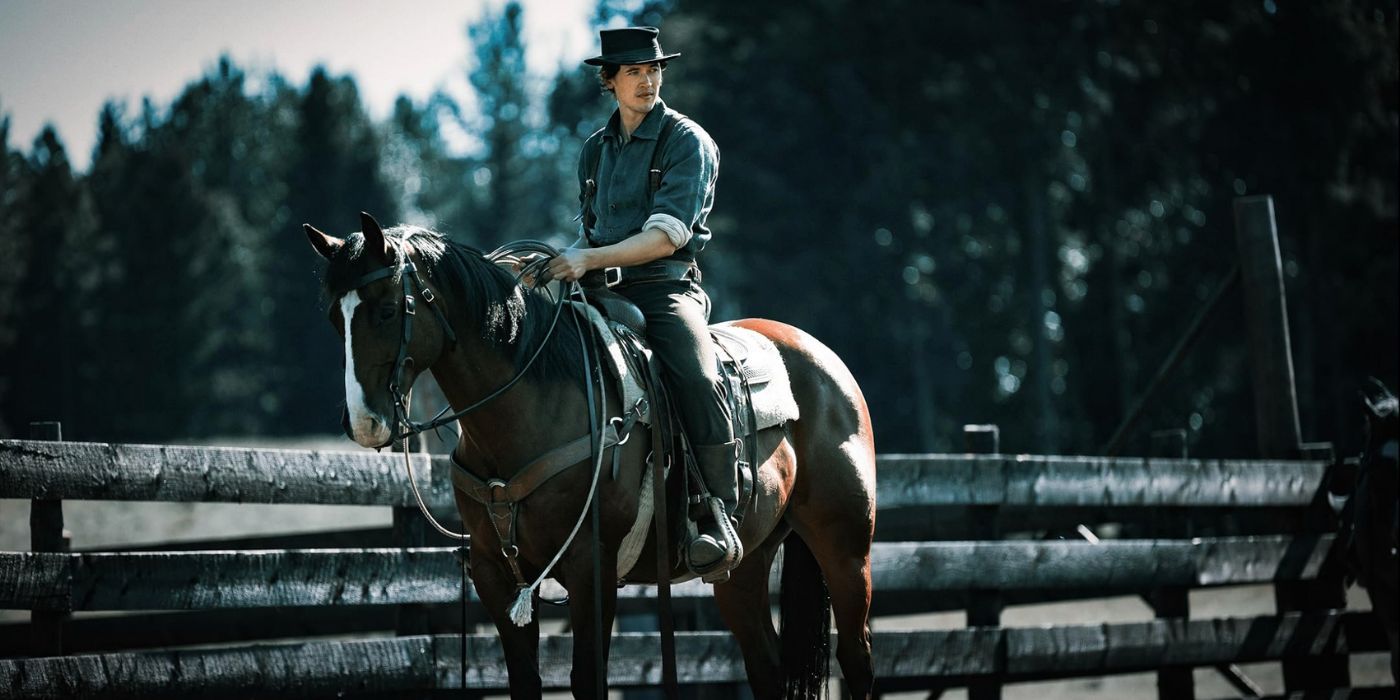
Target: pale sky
x=61 y=59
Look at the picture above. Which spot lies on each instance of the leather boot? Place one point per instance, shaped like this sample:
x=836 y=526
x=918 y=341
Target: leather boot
x=717 y=549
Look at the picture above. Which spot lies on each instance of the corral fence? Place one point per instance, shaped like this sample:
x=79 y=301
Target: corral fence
x=1188 y=524
x=380 y=611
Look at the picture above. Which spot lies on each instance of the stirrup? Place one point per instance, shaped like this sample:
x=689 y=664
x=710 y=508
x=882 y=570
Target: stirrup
x=717 y=571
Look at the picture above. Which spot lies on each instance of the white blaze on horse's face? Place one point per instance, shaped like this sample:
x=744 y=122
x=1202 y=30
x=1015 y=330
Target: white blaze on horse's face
x=366 y=427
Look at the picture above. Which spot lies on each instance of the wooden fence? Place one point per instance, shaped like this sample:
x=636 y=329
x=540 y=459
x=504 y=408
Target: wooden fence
x=1247 y=520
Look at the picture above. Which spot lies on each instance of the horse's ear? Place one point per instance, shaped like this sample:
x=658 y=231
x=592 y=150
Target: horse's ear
x=326 y=246
x=374 y=239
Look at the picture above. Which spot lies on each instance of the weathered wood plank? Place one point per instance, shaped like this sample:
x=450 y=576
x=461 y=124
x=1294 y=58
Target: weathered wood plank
x=118 y=472
x=148 y=630
x=408 y=663
x=1368 y=693
x=309 y=669
x=948 y=523
x=229 y=579
x=97 y=471
x=236 y=579
x=35 y=581
x=140 y=630
x=913 y=481
x=324 y=539
x=1108 y=565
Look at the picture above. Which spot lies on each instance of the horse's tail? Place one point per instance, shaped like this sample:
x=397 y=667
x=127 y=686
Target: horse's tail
x=806 y=622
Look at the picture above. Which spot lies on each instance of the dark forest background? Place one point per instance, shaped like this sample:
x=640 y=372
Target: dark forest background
x=994 y=212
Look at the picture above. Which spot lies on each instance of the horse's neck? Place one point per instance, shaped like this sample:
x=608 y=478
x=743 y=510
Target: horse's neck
x=512 y=429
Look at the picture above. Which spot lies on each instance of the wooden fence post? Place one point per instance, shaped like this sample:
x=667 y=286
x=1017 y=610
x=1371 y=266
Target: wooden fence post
x=984 y=606
x=1276 y=417
x=1171 y=602
x=46 y=534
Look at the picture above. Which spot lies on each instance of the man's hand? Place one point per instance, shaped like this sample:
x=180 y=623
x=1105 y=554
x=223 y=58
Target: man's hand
x=569 y=265
x=518 y=264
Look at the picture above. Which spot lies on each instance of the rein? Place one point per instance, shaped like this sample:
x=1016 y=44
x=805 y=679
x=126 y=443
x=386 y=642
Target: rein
x=404 y=427
x=602 y=434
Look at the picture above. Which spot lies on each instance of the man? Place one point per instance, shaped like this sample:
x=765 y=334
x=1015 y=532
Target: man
x=644 y=213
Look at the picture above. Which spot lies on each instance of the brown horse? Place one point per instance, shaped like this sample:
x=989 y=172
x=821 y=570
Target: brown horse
x=814 y=491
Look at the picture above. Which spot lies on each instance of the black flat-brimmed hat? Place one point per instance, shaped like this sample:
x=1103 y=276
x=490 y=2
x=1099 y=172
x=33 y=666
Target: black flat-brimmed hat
x=629 y=46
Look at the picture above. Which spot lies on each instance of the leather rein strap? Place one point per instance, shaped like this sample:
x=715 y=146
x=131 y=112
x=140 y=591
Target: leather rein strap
x=662 y=443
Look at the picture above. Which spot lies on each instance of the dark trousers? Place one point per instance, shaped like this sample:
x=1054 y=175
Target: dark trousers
x=677 y=313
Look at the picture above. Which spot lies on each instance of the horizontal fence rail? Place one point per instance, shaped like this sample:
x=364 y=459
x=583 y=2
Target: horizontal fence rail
x=1046 y=481
x=228 y=579
x=173 y=473
x=324 y=586
x=99 y=471
x=226 y=626
x=433 y=662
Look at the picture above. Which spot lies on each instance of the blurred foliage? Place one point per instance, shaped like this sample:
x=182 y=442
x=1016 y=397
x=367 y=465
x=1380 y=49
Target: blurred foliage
x=1026 y=203
x=1003 y=213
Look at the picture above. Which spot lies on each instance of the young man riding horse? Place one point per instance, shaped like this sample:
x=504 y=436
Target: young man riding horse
x=647 y=183
x=519 y=480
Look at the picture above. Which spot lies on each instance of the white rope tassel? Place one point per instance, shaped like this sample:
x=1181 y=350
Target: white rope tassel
x=521 y=611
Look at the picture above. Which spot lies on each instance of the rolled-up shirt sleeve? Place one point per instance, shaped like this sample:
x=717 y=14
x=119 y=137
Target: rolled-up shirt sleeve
x=690 y=167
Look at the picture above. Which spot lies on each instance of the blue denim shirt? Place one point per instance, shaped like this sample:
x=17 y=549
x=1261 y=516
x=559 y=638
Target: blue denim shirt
x=689 y=167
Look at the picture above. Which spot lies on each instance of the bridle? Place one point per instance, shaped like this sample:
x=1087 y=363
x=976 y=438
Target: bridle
x=413 y=289
x=404 y=426
x=617 y=429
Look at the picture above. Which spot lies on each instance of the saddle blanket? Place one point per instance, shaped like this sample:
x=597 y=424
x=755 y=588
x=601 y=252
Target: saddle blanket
x=769 y=389
x=758 y=358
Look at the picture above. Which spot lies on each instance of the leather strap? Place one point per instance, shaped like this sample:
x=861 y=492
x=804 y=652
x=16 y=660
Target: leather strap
x=655 y=271
x=490 y=492
x=502 y=498
x=661 y=442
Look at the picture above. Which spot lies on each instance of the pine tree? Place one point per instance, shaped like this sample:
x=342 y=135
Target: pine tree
x=334 y=173
x=513 y=184
x=11 y=261
x=50 y=223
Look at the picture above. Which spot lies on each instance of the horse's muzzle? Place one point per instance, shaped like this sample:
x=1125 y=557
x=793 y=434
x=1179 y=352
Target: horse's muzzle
x=349 y=431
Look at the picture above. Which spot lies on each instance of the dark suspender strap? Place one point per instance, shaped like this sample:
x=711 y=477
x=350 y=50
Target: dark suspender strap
x=668 y=124
x=592 y=156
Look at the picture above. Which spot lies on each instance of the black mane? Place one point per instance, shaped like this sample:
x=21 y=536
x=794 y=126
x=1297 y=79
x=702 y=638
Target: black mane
x=486 y=300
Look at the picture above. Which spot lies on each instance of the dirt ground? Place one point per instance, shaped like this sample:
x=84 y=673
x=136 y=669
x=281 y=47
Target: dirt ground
x=100 y=524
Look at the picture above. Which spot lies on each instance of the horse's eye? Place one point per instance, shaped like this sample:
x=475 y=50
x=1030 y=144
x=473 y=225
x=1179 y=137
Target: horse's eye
x=387 y=312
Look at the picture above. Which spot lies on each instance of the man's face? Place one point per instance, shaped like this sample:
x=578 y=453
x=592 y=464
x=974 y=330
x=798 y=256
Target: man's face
x=637 y=87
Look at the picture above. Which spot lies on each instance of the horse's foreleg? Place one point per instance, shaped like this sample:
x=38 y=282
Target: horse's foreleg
x=589 y=644
x=743 y=603
x=496 y=587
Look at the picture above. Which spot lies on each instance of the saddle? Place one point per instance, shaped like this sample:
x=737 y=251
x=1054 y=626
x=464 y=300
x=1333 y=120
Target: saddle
x=757 y=390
